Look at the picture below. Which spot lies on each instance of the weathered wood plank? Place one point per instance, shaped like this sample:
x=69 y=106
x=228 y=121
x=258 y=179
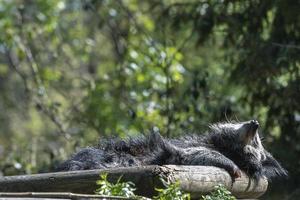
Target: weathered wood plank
x=64 y=195
x=197 y=180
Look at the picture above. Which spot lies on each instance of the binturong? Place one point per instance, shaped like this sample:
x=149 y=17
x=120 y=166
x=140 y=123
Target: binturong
x=235 y=147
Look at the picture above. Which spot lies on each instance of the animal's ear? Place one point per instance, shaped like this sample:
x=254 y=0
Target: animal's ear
x=248 y=131
x=157 y=141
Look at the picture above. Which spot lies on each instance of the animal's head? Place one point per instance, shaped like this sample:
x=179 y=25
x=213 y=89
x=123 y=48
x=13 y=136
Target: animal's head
x=236 y=135
x=241 y=142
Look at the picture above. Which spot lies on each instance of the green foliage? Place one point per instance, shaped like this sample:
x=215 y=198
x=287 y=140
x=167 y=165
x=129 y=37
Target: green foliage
x=124 y=189
x=171 y=192
x=220 y=193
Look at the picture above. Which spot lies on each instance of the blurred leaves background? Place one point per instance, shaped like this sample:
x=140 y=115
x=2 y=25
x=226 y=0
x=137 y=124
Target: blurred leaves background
x=74 y=71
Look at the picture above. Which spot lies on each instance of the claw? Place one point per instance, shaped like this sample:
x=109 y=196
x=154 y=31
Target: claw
x=237 y=173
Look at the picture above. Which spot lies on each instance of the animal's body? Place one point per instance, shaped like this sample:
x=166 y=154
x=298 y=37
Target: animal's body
x=231 y=146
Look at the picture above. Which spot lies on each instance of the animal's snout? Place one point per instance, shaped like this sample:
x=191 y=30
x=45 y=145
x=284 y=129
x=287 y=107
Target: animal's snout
x=254 y=124
x=248 y=131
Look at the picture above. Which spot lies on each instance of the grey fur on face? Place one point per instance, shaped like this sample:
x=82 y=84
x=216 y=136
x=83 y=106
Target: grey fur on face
x=234 y=147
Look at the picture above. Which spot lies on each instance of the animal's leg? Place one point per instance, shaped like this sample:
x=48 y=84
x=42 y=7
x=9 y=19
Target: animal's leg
x=170 y=154
x=208 y=157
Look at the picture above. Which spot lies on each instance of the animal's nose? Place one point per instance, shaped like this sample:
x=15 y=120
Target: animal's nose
x=254 y=123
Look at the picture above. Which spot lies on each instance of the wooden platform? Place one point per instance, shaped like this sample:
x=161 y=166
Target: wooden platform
x=197 y=180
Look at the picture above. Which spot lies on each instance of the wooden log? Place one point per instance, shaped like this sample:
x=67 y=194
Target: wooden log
x=197 y=180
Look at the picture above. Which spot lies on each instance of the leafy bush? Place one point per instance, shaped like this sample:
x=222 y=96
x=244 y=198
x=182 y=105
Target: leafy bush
x=171 y=192
x=124 y=189
x=220 y=193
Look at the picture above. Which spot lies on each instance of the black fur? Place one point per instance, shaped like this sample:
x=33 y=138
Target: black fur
x=231 y=146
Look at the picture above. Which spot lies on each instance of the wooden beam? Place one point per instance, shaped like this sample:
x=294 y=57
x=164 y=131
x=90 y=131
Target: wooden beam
x=197 y=180
x=63 y=195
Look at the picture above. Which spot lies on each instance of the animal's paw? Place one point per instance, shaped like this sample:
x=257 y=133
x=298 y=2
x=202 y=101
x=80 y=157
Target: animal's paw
x=235 y=173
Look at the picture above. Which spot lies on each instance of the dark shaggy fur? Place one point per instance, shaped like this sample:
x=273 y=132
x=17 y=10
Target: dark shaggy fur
x=231 y=146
